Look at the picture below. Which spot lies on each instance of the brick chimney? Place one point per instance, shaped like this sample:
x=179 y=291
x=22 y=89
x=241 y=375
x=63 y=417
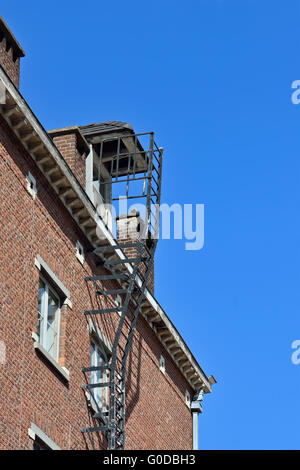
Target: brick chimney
x=74 y=148
x=10 y=53
x=129 y=228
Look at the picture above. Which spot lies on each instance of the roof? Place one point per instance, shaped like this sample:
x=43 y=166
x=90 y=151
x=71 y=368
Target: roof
x=104 y=127
x=11 y=38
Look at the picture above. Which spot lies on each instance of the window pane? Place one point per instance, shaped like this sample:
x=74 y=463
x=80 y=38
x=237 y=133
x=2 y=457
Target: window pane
x=52 y=325
x=39 y=445
x=41 y=312
x=99 y=395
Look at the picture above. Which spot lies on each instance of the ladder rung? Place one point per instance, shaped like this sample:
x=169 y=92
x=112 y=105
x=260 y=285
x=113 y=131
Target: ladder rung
x=98 y=385
x=105 y=277
x=103 y=311
x=114 y=262
x=95 y=368
x=100 y=249
x=119 y=401
x=119 y=430
x=98 y=415
x=153 y=177
x=111 y=292
x=95 y=429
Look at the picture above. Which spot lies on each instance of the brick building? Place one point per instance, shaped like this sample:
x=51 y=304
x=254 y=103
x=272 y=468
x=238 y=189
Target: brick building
x=53 y=225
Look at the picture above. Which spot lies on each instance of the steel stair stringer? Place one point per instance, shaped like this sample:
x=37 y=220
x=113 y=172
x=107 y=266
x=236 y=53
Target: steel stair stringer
x=124 y=271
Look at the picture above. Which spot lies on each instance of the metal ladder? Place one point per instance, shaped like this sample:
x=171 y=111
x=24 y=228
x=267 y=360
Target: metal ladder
x=129 y=276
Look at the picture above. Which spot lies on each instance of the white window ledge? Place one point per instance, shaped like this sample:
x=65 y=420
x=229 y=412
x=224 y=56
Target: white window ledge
x=62 y=370
x=68 y=303
x=93 y=329
x=91 y=403
x=34 y=431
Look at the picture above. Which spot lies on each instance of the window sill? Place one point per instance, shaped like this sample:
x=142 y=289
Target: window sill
x=61 y=370
x=34 y=431
x=92 y=405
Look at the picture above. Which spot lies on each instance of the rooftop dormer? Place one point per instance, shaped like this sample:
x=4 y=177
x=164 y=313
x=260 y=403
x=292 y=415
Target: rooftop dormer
x=122 y=167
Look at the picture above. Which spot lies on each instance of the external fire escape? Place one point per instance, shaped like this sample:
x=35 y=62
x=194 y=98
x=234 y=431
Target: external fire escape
x=132 y=163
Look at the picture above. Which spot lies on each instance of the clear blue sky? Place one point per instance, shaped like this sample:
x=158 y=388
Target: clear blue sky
x=213 y=79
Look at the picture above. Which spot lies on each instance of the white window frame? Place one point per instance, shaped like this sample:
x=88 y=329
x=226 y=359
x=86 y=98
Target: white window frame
x=2 y=92
x=162 y=364
x=44 y=302
x=80 y=252
x=35 y=433
x=119 y=303
x=31 y=185
x=98 y=395
x=187 y=398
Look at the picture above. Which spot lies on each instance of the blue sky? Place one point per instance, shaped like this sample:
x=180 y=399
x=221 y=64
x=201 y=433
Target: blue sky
x=213 y=80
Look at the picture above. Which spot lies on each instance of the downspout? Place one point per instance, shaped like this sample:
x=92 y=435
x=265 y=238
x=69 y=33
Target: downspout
x=196 y=409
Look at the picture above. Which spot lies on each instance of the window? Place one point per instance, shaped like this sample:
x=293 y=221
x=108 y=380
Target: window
x=99 y=396
x=53 y=300
x=40 y=445
x=41 y=441
x=48 y=318
x=162 y=364
x=187 y=398
x=80 y=252
x=31 y=185
x=119 y=303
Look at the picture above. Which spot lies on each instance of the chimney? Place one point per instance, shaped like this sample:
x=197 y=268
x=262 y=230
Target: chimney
x=129 y=228
x=74 y=148
x=10 y=53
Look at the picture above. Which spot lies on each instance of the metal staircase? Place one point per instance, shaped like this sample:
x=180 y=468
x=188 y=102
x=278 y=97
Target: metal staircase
x=126 y=267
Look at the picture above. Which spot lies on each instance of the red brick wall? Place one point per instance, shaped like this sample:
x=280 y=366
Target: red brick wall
x=30 y=391
x=11 y=67
x=68 y=146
